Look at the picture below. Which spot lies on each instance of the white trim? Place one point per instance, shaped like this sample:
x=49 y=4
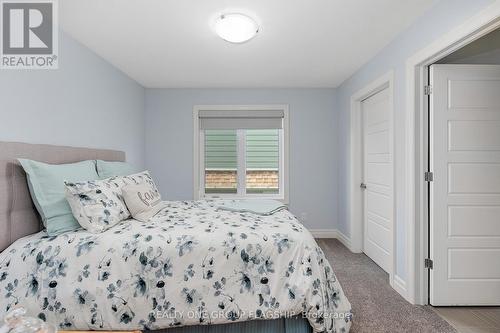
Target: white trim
x=332 y=233
x=324 y=233
x=344 y=240
x=242 y=161
x=356 y=156
x=416 y=236
x=400 y=286
x=197 y=143
x=284 y=139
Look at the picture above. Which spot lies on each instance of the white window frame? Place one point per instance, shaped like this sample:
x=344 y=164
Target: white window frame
x=199 y=157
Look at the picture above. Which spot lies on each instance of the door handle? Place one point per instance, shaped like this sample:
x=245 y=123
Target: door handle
x=363 y=186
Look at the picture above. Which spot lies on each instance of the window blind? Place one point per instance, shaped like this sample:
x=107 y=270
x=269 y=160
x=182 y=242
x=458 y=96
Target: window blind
x=236 y=119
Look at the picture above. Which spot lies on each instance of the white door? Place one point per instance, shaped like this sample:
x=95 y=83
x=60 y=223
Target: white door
x=465 y=192
x=378 y=179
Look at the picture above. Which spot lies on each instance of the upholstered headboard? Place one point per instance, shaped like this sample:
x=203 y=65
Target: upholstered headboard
x=18 y=216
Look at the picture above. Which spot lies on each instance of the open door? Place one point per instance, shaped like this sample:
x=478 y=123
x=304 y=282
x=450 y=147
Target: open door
x=465 y=190
x=378 y=179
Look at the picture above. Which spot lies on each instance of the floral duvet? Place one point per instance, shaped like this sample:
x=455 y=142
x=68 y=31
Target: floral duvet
x=191 y=264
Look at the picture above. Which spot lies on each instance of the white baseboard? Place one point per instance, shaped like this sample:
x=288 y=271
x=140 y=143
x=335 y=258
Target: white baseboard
x=332 y=233
x=344 y=240
x=397 y=284
x=400 y=286
x=324 y=233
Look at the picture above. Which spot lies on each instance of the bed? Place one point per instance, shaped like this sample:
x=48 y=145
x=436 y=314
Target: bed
x=192 y=265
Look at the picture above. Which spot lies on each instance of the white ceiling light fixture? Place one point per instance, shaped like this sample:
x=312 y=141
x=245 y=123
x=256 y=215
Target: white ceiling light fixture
x=236 y=27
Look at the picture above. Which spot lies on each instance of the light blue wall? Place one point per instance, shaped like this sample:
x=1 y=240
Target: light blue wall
x=313 y=143
x=445 y=15
x=86 y=102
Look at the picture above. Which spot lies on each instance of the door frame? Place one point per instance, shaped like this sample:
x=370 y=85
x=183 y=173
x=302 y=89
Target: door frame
x=386 y=81
x=416 y=141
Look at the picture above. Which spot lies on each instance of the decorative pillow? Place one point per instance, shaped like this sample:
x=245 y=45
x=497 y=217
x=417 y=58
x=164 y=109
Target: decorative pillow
x=143 y=200
x=107 y=169
x=98 y=205
x=46 y=184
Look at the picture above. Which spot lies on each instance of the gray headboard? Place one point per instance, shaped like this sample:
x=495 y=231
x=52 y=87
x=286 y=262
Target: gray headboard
x=18 y=216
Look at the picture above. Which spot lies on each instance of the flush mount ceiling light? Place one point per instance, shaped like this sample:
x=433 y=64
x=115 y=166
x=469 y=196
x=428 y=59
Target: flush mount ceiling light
x=236 y=27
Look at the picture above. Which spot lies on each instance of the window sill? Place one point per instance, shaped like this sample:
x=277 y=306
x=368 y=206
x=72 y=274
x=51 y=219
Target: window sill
x=245 y=197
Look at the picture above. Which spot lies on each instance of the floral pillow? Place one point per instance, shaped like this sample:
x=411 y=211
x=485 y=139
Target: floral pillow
x=98 y=204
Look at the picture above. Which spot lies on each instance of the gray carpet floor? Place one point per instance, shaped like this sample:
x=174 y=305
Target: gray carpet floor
x=377 y=308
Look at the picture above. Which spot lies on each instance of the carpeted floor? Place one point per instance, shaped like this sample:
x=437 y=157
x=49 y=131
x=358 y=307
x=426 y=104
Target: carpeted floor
x=376 y=306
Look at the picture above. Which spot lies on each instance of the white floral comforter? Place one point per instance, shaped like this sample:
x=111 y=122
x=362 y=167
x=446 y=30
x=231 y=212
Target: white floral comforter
x=190 y=264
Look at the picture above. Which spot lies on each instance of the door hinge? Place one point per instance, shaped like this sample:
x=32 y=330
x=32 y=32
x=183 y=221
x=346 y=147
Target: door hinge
x=428 y=263
x=429 y=176
x=427 y=90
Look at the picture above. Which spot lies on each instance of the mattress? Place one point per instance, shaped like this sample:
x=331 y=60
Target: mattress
x=191 y=264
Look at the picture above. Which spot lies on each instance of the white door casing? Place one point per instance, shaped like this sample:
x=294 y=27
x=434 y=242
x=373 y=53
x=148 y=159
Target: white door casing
x=415 y=144
x=378 y=178
x=465 y=192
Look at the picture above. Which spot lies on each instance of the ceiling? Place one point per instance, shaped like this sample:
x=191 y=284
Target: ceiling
x=301 y=43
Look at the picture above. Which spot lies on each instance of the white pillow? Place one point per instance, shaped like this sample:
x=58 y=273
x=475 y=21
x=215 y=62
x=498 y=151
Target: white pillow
x=143 y=200
x=98 y=204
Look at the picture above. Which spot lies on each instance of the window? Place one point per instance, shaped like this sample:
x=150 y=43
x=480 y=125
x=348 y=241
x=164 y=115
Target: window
x=240 y=152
